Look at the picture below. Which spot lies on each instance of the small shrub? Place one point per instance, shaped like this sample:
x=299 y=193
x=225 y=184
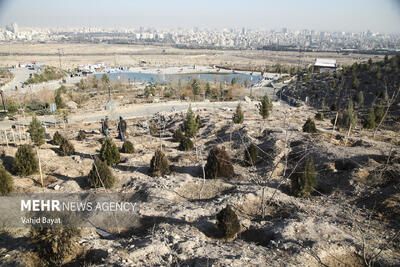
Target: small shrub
x=304 y=181
x=190 y=126
x=319 y=116
x=219 y=164
x=228 y=222
x=66 y=148
x=238 y=116
x=159 y=164
x=6 y=182
x=251 y=155
x=100 y=175
x=154 y=131
x=81 y=135
x=109 y=152
x=178 y=135
x=36 y=131
x=185 y=144
x=25 y=162
x=57 y=139
x=309 y=126
x=128 y=148
x=55 y=244
x=369 y=122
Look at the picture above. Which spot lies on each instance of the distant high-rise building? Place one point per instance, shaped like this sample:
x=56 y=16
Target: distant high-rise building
x=309 y=39
x=244 y=31
x=284 y=30
x=12 y=28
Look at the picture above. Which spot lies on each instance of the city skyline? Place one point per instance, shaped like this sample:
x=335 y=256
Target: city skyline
x=357 y=16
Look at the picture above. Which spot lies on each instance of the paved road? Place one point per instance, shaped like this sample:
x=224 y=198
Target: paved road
x=22 y=74
x=146 y=110
x=132 y=111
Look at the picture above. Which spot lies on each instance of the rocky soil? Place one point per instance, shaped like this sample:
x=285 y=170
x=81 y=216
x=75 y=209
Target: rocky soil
x=352 y=216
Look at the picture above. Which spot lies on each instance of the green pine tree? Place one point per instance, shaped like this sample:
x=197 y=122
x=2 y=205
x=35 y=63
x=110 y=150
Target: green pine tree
x=109 y=152
x=369 y=122
x=356 y=83
x=304 y=182
x=360 y=99
x=348 y=118
x=58 y=99
x=208 y=89
x=238 y=116
x=100 y=175
x=265 y=107
x=309 y=126
x=25 y=162
x=379 y=112
x=6 y=181
x=105 y=80
x=195 y=88
x=190 y=125
x=36 y=131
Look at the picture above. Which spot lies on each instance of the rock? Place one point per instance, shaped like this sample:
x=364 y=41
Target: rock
x=111 y=105
x=70 y=186
x=361 y=143
x=143 y=124
x=71 y=105
x=247 y=99
x=57 y=187
x=170 y=258
x=163 y=116
x=47 y=153
x=76 y=158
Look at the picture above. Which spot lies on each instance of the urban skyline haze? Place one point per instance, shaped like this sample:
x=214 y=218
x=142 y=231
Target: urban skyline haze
x=351 y=16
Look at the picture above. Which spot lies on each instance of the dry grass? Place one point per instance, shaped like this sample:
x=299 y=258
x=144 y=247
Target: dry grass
x=79 y=54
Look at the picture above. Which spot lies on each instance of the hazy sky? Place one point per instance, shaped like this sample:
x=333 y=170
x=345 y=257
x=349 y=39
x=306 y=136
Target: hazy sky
x=327 y=15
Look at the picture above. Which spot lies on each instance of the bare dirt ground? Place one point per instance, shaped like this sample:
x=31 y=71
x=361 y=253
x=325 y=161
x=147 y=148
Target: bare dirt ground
x=130 y=55
x=351 y=214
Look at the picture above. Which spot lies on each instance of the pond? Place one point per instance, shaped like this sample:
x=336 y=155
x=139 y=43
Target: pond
x=165 y=78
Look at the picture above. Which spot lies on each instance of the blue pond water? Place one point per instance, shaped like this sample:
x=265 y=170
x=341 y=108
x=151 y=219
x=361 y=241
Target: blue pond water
x=164 y=78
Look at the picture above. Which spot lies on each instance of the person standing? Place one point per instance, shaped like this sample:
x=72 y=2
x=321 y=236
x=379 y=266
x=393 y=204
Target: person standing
x=122 y=128
x=105 y=127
